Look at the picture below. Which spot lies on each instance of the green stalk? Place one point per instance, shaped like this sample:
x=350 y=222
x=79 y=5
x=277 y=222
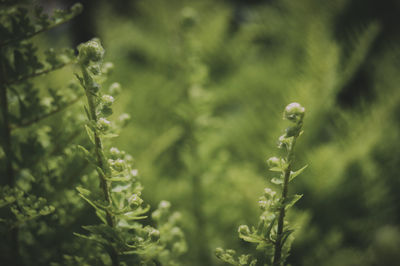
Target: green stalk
x=101 y=162
x=281 y=218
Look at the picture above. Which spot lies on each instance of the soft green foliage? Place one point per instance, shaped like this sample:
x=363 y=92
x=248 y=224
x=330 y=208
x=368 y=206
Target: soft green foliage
x=118 y=203
x=30 y=164
x=272 y=233
x=204 y=85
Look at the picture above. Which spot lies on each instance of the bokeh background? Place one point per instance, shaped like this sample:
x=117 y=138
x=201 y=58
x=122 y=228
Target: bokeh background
x=205 y=83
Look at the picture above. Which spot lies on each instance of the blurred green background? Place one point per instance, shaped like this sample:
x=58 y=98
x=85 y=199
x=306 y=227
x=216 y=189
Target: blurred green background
x=205 y=83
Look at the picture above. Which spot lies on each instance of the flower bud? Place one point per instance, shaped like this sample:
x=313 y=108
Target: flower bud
x=107 y=99
x=176 y=232
x=90 y=51
x=135 y=201
x=230 y=252
x=263 y=203
x=94 y=69
x=77 y=8
x=164 y=205
x=124 y=119
x=154 y=234
x=244 y=230
x=118 y=165
x=114 y=89
x=294 y=112
x=106 y=111
x=134 y=172
x=274 y=162
x=219 y=252
x=107 y=68
x=95 y=87
x=114 y=152
x=103 y=124
x=269 y=193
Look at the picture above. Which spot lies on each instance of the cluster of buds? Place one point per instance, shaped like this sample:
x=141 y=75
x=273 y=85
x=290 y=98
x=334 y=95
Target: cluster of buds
x=91 y=51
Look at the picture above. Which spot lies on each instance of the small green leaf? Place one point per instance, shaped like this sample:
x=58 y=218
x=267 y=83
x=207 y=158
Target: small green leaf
x=267 y=230
x=285 y=236
x=84 y=150
x=251 y=239
x=276 y=169
x=86 y=112
x=292 y=200
x=277 y=180
x=296 y=173
x=86 y=154
x=90 y=133
x=121 y=188
x=83 y=191
x=102 y=215
x=109 y=136
x=100 y=172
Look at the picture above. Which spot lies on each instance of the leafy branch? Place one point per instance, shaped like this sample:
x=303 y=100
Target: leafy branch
x=272 y=232
x=118 y=204
x=43 y=24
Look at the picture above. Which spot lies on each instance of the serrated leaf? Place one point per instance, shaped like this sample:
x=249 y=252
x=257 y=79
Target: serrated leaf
x=296 y=173
x=292 y=200
x=90 y=133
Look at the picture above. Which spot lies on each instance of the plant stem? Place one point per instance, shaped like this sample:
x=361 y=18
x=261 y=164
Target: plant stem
x=281 y=218
x=100 y=162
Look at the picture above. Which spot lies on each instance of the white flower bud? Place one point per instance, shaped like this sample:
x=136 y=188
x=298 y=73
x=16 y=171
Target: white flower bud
x=164 y=204
x=107 y=99
x=294 y=112
x=114 y=88
x=103 y=124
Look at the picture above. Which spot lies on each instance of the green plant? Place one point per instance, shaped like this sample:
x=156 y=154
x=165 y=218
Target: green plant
x=27 y=161
x=272 y=231
x=118 y=203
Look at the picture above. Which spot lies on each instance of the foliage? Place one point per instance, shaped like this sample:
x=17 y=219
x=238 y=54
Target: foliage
x=118 y=204
x=30 y=163
x=204 y=83
x=272 y=232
